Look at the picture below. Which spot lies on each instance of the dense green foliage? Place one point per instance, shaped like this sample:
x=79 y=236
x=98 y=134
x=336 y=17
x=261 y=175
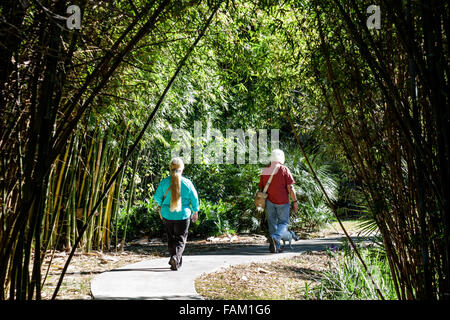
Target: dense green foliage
x=370 y=107
x=226 y=200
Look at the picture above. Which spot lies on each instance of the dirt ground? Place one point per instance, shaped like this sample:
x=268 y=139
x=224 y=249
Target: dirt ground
x=286 y=279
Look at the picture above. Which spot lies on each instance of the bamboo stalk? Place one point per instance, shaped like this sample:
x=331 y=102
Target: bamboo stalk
x=85 y=172
x=130 y=198
x=107 y=219
x=118 y=195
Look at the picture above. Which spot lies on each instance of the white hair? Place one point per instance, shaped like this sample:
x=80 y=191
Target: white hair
x=277 y=155
x=176 y=163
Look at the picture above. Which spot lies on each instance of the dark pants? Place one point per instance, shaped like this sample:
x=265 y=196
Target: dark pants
x=177 y=233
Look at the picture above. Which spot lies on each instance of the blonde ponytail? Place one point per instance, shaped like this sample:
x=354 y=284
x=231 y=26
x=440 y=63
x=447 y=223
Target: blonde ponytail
x=176 y=169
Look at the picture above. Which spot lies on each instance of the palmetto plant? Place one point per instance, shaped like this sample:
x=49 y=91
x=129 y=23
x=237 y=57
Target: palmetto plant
x=346 y=279
x=313 y=207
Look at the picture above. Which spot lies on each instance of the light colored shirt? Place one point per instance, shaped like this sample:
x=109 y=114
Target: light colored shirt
x=189 y=199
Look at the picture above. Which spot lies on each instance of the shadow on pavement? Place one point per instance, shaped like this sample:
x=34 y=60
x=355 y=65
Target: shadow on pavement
x=196 y=249
x=143 y=269
x=263 y=249
x=168 y=297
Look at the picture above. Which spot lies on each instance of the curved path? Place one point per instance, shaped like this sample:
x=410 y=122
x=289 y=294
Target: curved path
x=153 y=279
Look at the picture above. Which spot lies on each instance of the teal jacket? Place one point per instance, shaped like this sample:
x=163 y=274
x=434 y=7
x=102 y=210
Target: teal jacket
x=189 y=199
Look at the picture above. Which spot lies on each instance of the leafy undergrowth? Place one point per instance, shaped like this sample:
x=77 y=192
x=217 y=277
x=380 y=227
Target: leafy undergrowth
x=285 y=279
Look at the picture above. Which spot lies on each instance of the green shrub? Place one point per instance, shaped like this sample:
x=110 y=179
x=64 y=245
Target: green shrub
x=347 y=279
x=226 y=195
x=314 y=211
x=214 y=219
x=236 y=186
x=142 y=220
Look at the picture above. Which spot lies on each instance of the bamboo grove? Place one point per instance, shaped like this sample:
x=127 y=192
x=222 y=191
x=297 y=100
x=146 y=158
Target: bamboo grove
x=404 y=162
x=74 y=103
x=65 y=156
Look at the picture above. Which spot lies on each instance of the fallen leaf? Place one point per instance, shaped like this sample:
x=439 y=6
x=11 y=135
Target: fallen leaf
x=261 y=270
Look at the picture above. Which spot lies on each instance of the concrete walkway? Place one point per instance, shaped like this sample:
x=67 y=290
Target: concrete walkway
x=153 y=279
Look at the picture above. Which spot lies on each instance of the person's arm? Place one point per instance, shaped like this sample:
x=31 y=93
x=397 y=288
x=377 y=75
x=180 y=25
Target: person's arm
x=195 y=203
x=290 y=186
x=293 y=197
x=159 y=194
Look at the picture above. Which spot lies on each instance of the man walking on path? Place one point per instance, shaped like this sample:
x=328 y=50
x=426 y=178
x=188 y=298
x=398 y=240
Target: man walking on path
x=277 y=202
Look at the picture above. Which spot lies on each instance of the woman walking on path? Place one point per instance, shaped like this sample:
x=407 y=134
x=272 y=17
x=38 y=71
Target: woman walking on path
x=277 y=202
x=176 y=195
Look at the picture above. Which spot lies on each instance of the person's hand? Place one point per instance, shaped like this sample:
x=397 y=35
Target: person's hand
x=194 y=217
x=159 y=211
x=295 y=208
